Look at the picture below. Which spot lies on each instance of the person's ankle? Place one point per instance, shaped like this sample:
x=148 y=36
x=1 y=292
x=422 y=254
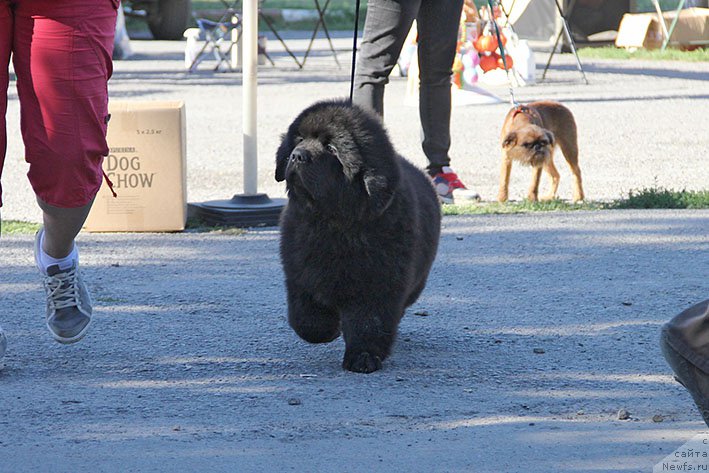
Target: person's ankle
x=44 y=260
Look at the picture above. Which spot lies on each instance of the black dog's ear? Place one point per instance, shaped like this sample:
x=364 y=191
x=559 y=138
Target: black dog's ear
x=282 y=155
x=510 y=139
x=381 y=188
x=550 y=137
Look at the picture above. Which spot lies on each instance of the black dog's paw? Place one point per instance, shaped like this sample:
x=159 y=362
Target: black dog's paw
x=313 y=334
x=362 y=362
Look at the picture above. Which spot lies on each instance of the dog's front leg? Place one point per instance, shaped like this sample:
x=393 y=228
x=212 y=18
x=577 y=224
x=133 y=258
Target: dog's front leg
x=369 y=333
x=534 y=186
x=313 y=322
x=554 y=175
x=505 y=170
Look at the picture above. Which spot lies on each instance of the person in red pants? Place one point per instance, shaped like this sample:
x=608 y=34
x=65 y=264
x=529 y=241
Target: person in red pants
x=61 y=55
x=684 y=341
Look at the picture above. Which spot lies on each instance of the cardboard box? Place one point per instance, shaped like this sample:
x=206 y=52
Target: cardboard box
x=146 y=164
x=643 y=30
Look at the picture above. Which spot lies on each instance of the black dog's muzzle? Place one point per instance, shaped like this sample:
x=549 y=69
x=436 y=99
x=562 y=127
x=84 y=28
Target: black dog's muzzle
x=298 y=158
x=300 y=155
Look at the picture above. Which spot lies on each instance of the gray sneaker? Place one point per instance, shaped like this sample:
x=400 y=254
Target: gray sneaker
x=3 y=347
x=68 y=302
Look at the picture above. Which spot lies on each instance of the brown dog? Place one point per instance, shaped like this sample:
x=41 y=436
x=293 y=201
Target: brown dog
x=529 y=135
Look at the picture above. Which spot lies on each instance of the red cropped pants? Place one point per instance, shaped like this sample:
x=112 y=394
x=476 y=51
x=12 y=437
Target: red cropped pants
x=61 y=53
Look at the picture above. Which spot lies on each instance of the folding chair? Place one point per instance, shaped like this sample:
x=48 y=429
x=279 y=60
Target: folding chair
x=321 y=21
x=227 y=29
x=661 y=19
x=215 y=34
x=572 y=44
x=272 y=27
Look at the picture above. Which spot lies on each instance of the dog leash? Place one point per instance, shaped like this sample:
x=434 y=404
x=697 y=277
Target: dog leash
x=354 y=51
x=502 y=52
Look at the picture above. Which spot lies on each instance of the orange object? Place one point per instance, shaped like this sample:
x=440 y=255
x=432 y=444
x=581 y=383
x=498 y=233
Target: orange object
x=488 y=63
x=501 y=64
x=458 y=72
x=485 y=43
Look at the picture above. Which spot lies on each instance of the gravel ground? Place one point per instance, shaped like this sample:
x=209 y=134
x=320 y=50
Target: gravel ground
x=538 y=330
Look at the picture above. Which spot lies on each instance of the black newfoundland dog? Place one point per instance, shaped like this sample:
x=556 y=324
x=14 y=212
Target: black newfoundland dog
x=359 y=233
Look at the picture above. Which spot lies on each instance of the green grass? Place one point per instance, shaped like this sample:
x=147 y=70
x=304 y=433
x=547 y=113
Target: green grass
x=339 y=16
x=16 y=227
x=194 y=225
x=647 y=198
x=525 y=206
x=611 y=52
x=647 y=5
x=660 y=198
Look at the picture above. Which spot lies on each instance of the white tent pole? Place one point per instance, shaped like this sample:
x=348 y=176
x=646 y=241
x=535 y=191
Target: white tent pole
x=249 y=209
x=250 y=70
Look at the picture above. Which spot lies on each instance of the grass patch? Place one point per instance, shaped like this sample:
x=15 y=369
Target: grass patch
x=525 y=206
x=611 y=52
x=660 y=198
x=647 y=198
x=17 y=227
x=194 y=225
x=340 y=15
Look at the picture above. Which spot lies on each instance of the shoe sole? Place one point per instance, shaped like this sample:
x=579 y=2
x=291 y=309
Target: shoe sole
x=70 y=340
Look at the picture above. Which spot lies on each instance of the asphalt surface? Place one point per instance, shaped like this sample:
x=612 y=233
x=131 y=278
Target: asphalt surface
x=533 y=333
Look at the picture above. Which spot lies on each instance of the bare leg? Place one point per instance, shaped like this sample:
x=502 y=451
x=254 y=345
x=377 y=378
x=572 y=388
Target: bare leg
x=61 y=227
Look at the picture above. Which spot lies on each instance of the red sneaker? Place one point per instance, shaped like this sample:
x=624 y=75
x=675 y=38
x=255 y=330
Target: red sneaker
x=449 y=187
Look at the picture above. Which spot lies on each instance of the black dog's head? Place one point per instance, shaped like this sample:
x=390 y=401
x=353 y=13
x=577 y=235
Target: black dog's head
x=338 y=159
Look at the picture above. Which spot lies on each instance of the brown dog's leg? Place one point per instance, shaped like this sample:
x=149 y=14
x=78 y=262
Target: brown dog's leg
x=554 y=175
x=578 y=185
x=505 y=170
x=534 y=186
x=570 y=151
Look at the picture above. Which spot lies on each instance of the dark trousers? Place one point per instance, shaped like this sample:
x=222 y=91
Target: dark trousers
x=688 y=333
x=386 y=26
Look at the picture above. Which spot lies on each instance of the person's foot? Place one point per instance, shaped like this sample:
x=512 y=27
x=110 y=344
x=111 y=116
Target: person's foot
x=3 y=347
x=450 y=188
x=688 y=375
x=68 y=301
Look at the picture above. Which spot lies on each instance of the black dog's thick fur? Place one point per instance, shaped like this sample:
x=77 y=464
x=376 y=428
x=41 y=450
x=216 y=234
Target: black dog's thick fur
x=359 y=233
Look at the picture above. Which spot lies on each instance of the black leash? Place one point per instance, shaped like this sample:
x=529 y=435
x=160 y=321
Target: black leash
x=354 y=51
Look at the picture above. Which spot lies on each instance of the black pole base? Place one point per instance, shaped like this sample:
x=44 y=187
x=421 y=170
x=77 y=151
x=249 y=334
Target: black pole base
x=257 y=210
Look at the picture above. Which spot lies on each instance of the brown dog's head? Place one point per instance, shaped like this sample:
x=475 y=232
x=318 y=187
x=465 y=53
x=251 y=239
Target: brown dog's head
x=529 y=144
x=337 y=159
